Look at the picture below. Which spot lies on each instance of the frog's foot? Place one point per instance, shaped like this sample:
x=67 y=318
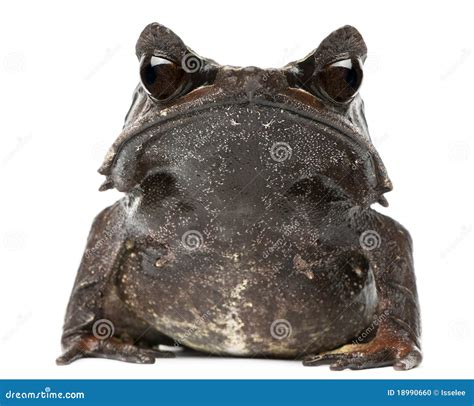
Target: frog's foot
x=111 y=348
x=400 y=352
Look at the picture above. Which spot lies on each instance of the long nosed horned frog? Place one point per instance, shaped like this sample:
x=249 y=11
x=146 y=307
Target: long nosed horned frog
x=246 y=228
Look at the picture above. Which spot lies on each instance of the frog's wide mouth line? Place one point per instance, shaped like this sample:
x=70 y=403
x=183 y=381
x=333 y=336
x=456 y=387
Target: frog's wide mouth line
x=348 y=133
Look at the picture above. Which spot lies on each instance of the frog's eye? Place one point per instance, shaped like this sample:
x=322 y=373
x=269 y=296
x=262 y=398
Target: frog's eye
x=160 y=77
x=340 y=80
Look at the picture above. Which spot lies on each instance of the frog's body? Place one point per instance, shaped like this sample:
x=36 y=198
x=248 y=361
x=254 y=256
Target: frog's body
x=246 y=228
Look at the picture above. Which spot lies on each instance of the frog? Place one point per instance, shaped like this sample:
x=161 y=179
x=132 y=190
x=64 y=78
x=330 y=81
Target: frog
x=246 y=227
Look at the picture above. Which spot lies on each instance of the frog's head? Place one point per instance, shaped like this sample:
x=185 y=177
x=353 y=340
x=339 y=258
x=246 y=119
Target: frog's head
x=311 y=107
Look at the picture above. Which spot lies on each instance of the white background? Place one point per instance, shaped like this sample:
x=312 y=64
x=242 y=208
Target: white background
x=67 y=72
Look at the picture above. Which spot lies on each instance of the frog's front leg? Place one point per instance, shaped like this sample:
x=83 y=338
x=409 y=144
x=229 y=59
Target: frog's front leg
x=97 y=323
x=397 y=339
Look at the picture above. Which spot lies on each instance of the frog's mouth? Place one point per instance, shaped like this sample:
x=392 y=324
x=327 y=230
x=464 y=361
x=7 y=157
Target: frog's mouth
x=178 y=141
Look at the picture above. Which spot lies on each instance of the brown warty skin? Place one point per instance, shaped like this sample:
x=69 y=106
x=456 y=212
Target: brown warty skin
x=246 y=228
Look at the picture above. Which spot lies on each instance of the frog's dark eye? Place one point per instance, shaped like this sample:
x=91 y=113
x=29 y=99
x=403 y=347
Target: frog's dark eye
x=160 y=77
x=340 y=80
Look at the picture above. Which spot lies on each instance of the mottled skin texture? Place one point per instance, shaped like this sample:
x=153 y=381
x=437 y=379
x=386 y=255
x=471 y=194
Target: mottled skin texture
x=247 y=200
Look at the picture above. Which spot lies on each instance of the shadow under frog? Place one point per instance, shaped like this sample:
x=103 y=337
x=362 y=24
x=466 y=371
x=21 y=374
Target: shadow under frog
x=246 y=228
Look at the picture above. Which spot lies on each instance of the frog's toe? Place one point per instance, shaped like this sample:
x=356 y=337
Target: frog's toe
x=70 y=355
x=112 y=348
x=350 y=357
x=409 y=361
x=370 y=355
x=116 y=350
